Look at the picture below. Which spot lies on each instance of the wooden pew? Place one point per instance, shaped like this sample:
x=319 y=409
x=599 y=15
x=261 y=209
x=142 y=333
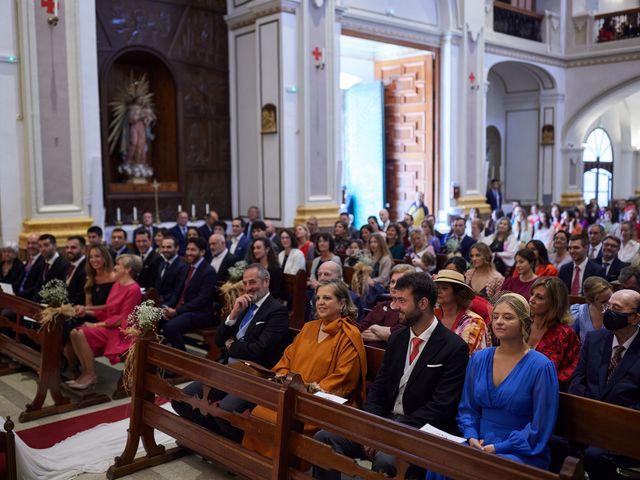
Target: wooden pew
x=573 y=299
x=295 y=407
x=8 y=450
x=295 y=289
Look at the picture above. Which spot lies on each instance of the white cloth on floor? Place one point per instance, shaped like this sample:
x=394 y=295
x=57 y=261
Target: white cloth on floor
x=91 y=451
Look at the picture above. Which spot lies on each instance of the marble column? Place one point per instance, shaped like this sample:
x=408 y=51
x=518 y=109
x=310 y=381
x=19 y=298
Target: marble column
x=61 y=121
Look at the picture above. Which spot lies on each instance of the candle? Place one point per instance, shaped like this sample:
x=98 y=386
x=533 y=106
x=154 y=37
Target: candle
x=179 y=208
x=118 y=218
x=206 y=210
x=55 y=8
x=193 y=210
x=135 y=215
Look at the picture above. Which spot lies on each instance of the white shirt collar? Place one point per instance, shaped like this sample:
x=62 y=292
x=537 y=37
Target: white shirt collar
x=53 y=259
x=626 y=344
x=583 y=264
x=78 y=262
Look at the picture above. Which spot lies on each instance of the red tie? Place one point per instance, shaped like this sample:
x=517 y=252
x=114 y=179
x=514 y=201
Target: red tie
x=187 y=282
x=70 y=271
x=575 y=285
x=46 y=271
x=415 y=348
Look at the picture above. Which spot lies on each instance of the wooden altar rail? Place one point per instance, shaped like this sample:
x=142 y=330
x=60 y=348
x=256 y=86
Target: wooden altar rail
x=291 y=448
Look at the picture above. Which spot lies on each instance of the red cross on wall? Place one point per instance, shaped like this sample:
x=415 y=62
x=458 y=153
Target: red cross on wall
x=472 y=78
x=317 y=54
x=49 y=5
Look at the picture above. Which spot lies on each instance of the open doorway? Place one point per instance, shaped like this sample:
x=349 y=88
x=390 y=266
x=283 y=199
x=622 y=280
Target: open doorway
x=388 y=99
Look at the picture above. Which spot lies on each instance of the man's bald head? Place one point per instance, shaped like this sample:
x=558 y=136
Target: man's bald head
x=628 y=299
x=329 y=271
x=32 y=244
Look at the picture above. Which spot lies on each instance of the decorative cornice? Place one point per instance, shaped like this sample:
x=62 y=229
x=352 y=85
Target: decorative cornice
x=603 y=58
x=524 y=55
x=249 y=16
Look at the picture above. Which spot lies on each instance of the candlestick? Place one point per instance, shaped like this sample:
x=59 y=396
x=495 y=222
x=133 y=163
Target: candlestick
x=179 y=208
x=135 y=215
x=206 y=210
x=193 y=212
x=55 y=8
x=118 y=217
x=156 y=186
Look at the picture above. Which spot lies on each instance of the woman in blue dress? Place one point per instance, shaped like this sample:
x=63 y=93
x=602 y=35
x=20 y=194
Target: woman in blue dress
x=510 y=397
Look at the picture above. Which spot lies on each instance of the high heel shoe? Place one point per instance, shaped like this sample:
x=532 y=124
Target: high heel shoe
x=84 y=386
x=70 y=382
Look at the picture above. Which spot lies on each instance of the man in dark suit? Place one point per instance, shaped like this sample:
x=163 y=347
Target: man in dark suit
x=630 y=278
x=609 y=371
x=32 y=279
x=494 y=195
x=206 y=230
x=179 y=232
x=253 y=214
x=151 y=260
x=195 y=303
x=55 y=266
x=257 y=329
x=221 y=259
x=575 y=273
x=239 y=242
x=76 y=272
x=94 y=235
x=421 y=377
x=609 y=260
x=595 y=234
x=171 y=271
x=118 y=244
x=464 y=242
x=147 y=224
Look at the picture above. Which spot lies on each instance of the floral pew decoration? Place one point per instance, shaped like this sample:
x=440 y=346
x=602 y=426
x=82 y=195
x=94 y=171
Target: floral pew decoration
x=143 y=321
x=233 y=287
x=55 y=295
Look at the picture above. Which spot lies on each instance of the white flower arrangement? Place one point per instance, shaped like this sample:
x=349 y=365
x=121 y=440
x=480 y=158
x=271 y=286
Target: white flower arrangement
x=145 y=316
x=237 y=271
x=54 y=293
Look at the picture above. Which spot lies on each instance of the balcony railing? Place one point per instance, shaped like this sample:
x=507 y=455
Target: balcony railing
x=517 y=22
x=618 y=25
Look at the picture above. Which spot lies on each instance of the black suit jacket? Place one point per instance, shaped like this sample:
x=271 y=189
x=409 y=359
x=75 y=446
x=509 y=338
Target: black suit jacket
x=76 y=284
x=115 y=254
x=170 y=285
x=590 y=378
x=205 y=231
x=201 y=291
x=433 y=390
x=614 y=268
x=33 y=282
x=592 y=269
x=150 y=270
x=182 y=239
x=228 y=261
x=266 y=337
x=496 y=203
x=58 y=270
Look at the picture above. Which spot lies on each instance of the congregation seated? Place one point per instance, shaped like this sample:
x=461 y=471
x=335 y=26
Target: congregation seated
x=76 y=275
x=420 y=379
x=630 y=278
x=551 y=331
x=12 y=269
x=221 y=259
x=208 y=228
x=479 y=304
x=179 y=232
x=575 y=273
x=588 y=317
x=595 y=234
x=510 y=398
x=524 y=266
x=454 y=299
x=353 y=252
x=195 y=306
x=483 y=277
x=382 y=320
x=609 y=260
x=629 y=246
x=382 y=261
x=543 y=230
x=324 y=253
x=32 y=278
x=238 y=242
x=394 y=242
x=419 y=247
x=261 y=251
x=560 y=255
x=340 y=237
x=430 y=235
x=106 y=336
x=172 y=271
x=305 y=245
x=151 y=260
x=256 y=330
x=330 y=272
x=94 y=235
x=291 y=258
x=365 y=234
x=119 y=244
x=328 y=354
x=503 y=245
x=161 y=234
x=522 y=229
x=609 y=371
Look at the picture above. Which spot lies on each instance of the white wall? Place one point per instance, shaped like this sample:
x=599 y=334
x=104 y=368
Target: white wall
x=605 y=6
x=418 y=11
x=11 y=129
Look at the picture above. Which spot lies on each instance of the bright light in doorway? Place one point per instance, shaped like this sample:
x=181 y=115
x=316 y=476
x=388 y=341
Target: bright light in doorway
x=348 y=80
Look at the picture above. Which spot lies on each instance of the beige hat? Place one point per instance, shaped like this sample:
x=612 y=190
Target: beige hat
x=451 y=276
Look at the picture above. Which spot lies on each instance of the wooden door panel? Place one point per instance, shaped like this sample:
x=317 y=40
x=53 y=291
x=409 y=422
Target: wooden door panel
x=408 y=97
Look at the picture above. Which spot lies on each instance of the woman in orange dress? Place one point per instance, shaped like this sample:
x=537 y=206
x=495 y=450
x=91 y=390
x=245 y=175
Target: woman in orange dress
x=328 y=352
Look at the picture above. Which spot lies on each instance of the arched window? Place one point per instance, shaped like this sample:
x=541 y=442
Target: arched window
x=598 y=167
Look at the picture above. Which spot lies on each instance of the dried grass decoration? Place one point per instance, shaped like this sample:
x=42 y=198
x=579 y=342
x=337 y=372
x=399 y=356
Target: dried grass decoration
x=232 y=288
x=362 y=273
x=55 y=295
x=142 y=321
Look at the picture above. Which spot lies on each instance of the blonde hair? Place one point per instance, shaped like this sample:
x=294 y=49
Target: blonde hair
x=341 y=292
x=131 y=261
x=594 y=286
x=520 y=306
x=382 y=245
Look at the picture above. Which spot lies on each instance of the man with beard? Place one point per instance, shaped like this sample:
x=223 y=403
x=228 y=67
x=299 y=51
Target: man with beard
x=257 y=330
x=421 y=377
x=76 y=272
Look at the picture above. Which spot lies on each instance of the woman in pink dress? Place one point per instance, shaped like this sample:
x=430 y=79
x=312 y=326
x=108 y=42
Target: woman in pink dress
x=106 y=336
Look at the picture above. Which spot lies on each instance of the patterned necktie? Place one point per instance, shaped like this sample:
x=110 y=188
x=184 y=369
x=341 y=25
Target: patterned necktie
x=615 y=360
x=415 y=348
x=575 y=285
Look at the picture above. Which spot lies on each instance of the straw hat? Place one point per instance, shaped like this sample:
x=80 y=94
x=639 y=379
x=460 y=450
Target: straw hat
x=451 y=276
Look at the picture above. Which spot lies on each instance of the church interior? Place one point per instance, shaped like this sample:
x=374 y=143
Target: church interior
x=111 y=110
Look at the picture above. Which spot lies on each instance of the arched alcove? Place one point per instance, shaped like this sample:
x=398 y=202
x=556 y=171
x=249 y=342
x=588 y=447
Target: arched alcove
x=494 y=153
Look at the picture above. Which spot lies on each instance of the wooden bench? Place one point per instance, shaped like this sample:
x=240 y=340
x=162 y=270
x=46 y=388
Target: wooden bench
x=292 y=449
x=8 y=469
x=577 y=299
